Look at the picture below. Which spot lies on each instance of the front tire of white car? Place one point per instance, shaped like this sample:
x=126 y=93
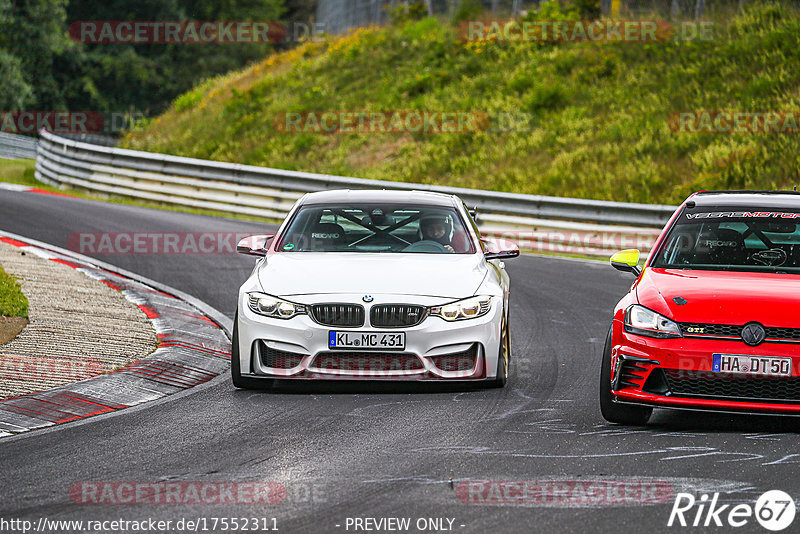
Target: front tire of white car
x=504 y=357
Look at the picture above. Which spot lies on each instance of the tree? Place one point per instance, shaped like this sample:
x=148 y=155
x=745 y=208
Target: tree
x=145 y=78
x=15 y=93
x=42 y=69
x=33 y=32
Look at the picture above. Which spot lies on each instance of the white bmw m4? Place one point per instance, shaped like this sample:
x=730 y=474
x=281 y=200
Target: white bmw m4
x=374 y=285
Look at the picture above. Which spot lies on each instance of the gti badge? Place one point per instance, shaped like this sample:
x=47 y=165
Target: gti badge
x=753 y=334
x=367 y=298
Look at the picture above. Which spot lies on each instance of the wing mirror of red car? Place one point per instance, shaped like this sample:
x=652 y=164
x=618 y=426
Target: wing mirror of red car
x=627 y=261
x=255 y=245
x=498 y=248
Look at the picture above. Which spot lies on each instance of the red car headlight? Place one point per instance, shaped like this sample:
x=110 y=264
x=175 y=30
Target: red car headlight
x=645 y=322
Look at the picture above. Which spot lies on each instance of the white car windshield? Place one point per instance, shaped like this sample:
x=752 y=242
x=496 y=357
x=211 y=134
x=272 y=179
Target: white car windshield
x=398 y=228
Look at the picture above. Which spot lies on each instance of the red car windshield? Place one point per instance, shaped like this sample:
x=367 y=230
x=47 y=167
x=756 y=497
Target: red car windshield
x=746 y=240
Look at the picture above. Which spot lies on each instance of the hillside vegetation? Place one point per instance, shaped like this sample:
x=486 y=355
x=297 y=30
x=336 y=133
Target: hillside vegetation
x=600 y=110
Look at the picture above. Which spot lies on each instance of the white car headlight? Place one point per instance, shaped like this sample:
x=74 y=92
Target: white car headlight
x=270 y=306
x=645 y=322
x=468 y=308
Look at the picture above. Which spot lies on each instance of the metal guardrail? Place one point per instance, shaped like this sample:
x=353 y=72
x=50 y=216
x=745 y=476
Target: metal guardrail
x=14 y=146
x=539 y=223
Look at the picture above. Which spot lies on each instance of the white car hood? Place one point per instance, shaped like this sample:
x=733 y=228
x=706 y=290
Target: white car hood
x=304 y=273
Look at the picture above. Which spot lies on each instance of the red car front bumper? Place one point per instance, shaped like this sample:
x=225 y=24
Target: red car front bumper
x=677 y=373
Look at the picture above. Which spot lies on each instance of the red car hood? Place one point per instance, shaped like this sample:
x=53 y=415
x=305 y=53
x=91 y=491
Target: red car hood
x=722 y=297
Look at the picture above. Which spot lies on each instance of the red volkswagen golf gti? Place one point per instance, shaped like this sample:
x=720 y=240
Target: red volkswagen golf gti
x=712 y=321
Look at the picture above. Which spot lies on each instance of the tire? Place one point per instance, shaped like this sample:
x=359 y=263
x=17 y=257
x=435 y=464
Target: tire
x=504 y=357
x=623 y=414
x=236 y=367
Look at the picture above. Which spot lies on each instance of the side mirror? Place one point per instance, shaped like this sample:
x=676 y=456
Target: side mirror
x=474 y=213
x=627 y=261
x=498 y=248
x=255 y=245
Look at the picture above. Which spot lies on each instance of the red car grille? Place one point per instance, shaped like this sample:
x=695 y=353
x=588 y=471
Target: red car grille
x=683 y=383
x=735 y=331
x=366 y=361
x=458 y=361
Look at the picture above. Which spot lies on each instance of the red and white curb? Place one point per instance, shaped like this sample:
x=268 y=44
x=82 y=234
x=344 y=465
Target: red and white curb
x=193 y=348
x=19 y=188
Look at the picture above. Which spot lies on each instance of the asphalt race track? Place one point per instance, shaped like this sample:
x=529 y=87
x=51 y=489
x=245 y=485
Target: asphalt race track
x=354 y=451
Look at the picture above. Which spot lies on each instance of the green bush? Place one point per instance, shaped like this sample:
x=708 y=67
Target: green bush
x=554 y=10
x=545 y=96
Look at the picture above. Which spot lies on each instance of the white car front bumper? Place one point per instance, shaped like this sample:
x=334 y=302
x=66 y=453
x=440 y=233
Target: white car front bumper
x=435 y=349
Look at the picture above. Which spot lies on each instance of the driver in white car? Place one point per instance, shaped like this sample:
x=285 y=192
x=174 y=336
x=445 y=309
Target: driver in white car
x=436 y=227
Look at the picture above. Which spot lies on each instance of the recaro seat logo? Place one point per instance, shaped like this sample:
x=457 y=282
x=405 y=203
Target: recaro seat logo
x=774 y=510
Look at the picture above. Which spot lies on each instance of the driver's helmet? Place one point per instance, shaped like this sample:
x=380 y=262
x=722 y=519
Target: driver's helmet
x=430 y=218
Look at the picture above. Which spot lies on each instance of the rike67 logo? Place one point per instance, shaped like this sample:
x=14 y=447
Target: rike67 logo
x=774 y=510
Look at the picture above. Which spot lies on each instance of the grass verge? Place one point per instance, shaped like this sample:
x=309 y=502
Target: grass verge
x=18 y=171
x=12 y=301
